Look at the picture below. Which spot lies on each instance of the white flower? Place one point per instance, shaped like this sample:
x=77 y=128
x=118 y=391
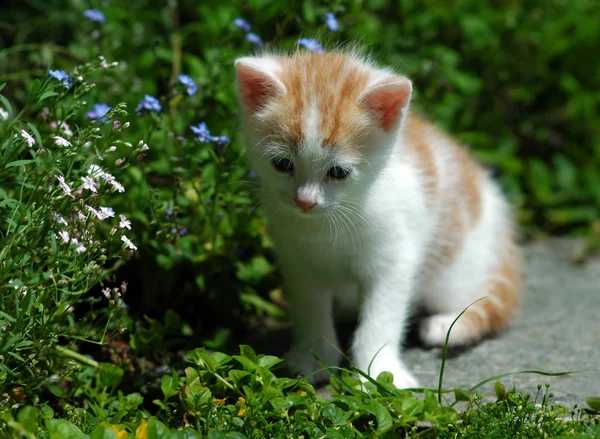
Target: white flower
x=64 y=186
x=80 y=248
x=64 y=235
x=81 y=216
x=88 y=183
x=94 y=211
x=87 y=144
x=106 y=292
x=3 y=114
x=112 y=149
x=59 y=141
x=128 y=243
x=60 y=219
x=30 y=140
x=106 y=212
x=95 y=171
x=109 y=178
x=117 y=186
x=124 y=223
x=66 y=128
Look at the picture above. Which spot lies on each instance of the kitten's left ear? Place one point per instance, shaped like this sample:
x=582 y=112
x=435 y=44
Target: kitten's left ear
x=387 y=100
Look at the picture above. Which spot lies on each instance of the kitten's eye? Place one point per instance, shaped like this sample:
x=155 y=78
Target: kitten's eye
x=338 y=173
x=283 y=165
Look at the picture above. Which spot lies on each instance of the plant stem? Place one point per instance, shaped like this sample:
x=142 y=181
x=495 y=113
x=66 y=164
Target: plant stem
x=69 y=353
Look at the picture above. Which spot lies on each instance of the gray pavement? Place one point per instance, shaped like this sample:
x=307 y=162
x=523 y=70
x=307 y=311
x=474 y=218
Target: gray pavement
x=557 y=329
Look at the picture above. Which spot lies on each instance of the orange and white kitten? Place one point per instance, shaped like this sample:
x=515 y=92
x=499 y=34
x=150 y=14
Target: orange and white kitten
x=370 y=205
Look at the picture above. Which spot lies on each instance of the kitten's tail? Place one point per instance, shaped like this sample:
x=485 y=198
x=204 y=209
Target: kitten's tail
x=493 y=313
x=487 y=316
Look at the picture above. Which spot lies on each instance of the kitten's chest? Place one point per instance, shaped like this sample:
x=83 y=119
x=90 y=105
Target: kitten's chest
x=325 y=247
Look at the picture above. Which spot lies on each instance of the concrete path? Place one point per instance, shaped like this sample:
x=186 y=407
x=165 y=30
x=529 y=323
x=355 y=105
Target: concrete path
x=557 y=329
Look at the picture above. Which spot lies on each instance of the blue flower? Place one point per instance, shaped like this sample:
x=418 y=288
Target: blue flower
x=331 y=21
x=148 y=104
x=311 y=45
x=202 y=133
x=221 y=140
x=94 y=15
x=62 y=77
x=242 y=24
x=99 y=111
x=188 y=83
x=253 y=38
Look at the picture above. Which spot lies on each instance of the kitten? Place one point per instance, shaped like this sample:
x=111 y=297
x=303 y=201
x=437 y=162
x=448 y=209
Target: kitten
x=371 y=206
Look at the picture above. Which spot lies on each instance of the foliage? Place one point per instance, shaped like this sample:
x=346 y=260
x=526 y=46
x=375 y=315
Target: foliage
x=239 y=396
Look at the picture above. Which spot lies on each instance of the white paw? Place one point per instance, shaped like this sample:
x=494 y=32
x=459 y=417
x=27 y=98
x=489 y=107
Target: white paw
x=433 y=330
x=301 y=361
x=389 y=361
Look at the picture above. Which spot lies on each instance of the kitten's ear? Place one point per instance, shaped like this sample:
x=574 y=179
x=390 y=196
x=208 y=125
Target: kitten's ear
x=257 y=82
x=387 y=100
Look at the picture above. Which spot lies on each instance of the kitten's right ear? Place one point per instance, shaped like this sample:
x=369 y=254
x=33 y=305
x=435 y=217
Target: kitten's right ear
x=256 y=81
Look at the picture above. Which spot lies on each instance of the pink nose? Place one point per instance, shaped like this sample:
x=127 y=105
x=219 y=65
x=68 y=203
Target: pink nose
x=305 y=205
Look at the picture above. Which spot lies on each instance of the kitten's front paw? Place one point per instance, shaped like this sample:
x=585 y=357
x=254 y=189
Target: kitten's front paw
x=301 y=361
x=388 y=361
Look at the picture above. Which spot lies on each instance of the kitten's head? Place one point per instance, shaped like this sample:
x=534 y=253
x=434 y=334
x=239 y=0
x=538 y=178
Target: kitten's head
x=319 y=126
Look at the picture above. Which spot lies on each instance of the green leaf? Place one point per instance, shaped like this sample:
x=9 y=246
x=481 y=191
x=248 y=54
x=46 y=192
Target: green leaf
x=18 y=163
x=461 y=395
x=593 y=402
x=27 y=417
x=334 y=434
x=268 y=361
x=61 y=429
x=169 y=386
x=499 y=389
x=335 y=415
x=46 y=412
x=33 y=92
x=35 y=132
x=247 y=352
x=157 y=430
x=110 y=375
x=102 y=432
x=382 y=415
x=7 y=105
x=186 y=433
x=47 y=94
x=2 y=86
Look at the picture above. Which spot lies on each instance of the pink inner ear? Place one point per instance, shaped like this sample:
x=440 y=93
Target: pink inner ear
x=255 y=87
x=386 y=101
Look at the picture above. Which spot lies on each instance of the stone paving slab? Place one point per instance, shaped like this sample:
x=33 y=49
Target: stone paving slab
x=557 y=329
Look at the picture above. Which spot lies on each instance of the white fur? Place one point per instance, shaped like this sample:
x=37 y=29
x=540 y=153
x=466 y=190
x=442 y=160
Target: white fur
x=366 y=240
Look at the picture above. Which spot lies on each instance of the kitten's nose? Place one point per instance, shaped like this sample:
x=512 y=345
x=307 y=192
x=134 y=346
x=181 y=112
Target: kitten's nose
x=305 y=205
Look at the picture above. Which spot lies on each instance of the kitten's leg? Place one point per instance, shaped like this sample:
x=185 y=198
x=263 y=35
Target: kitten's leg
x=380 y=331
x=311 y=309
